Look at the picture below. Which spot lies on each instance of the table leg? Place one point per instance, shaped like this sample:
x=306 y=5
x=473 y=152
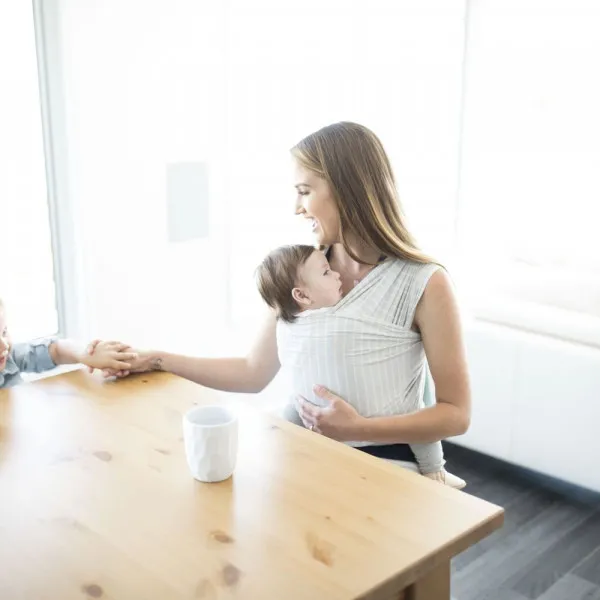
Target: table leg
x=433 y=586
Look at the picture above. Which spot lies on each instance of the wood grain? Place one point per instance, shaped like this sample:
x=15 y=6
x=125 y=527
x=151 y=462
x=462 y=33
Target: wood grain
x=96 y=502
x=434 y=586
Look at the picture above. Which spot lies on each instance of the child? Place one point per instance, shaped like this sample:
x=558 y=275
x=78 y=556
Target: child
x=44 y=355
x=296 y=281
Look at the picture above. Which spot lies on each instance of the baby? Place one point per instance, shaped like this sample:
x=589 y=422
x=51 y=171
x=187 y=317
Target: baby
x=44 y=355
x=296 y=279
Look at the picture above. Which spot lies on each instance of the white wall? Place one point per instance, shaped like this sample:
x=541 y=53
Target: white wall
x=236 y=84
x=536 y=402
x=393 y=66
x=143 y=87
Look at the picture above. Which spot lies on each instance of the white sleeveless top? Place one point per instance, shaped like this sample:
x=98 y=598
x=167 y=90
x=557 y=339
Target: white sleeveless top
x=363 y=348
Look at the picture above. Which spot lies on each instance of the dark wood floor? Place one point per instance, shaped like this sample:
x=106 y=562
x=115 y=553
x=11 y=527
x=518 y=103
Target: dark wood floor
x=549 y=547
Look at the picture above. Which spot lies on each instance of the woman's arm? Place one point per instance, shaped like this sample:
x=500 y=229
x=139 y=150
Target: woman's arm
x=249 y=374
x=438 y=320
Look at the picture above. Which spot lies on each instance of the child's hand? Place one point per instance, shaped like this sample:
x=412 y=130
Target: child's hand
x=108 y=356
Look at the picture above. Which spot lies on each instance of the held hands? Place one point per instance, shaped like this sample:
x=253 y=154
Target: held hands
x=114 y=359
x=339 y=420
x=108 y=355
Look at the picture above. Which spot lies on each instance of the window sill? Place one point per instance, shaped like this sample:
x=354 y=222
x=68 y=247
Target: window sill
x=530 y=317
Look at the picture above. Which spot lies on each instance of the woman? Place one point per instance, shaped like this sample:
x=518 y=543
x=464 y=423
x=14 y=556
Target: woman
x=347 y=190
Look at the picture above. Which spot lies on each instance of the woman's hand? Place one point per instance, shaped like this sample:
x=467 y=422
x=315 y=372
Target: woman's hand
x=139 y=362
x=338 y=420
x=113 y=356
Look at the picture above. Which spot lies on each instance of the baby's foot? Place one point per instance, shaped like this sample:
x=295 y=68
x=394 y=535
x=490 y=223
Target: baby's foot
x=447 y=479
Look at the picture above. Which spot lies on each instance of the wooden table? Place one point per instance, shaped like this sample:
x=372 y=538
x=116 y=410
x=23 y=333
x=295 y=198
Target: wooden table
x=96 y=501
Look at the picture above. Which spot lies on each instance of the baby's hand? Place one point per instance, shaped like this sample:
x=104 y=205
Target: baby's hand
x=108 y=356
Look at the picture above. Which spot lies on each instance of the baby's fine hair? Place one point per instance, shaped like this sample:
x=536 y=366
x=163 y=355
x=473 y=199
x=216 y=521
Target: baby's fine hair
x=277 y=276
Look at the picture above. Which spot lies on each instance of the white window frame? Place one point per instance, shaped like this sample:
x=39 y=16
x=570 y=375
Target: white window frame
x=68 y=267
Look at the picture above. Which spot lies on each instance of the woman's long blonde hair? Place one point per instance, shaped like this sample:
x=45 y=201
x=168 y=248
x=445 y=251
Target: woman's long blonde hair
x=351 y=158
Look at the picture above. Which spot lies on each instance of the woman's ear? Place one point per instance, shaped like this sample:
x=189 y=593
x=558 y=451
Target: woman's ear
x=301 y=297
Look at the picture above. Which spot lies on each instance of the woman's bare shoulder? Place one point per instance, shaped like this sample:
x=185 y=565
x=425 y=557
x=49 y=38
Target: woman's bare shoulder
x=438 y=299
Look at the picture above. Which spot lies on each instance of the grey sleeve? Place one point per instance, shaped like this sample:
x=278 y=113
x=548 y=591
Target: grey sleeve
x=34 y=357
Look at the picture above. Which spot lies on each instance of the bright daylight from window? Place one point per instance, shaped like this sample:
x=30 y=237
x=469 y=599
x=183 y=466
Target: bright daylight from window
x=27 y=284
x=530 y=190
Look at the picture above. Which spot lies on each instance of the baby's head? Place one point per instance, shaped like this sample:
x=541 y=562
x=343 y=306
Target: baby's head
x=4 y=339
x=292 y=279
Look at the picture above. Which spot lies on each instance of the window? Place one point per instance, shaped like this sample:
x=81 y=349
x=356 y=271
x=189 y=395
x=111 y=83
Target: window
x=27 y=277
x=530 y=189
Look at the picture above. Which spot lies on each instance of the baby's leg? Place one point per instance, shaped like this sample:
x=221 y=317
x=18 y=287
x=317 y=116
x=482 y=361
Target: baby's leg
x=430 y=458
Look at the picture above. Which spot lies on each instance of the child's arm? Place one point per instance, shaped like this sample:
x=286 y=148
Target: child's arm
x=33 y=357
x=108 y=355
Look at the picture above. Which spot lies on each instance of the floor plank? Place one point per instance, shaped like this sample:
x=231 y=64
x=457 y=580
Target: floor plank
x=589 y=569
x=549 y=548
x=561 y=558
x=571 y=587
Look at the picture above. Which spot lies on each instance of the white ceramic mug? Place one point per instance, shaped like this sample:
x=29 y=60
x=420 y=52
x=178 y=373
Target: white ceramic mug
x=210 y=434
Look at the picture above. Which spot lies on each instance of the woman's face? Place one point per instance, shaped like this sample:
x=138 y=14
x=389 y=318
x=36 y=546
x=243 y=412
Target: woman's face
x=315 y=202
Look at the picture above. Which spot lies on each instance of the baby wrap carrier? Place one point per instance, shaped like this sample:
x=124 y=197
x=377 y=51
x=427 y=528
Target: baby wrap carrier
x=363 y=348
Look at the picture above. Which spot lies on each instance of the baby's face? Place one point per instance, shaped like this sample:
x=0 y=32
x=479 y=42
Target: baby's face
x=320 y=285
x=4 y=340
